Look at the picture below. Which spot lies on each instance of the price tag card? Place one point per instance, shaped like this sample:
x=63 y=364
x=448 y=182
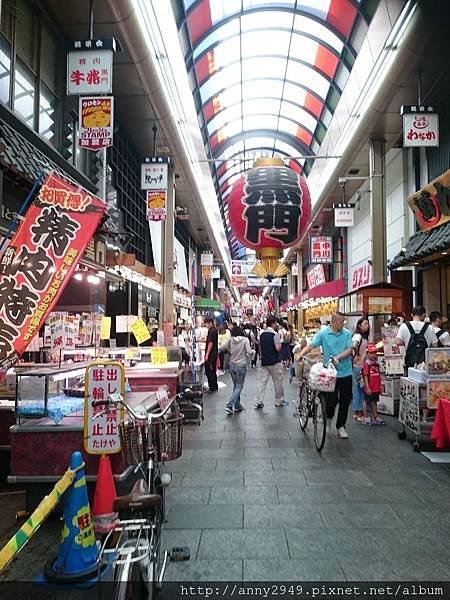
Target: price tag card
x=105 y=328
x=158 y=355
x=140 y=331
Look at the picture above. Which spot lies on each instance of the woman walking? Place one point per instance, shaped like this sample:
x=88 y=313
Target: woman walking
x=239 y=348
x=359 y=343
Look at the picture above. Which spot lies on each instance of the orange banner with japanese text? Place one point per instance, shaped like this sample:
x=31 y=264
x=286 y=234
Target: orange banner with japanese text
x=40 y=259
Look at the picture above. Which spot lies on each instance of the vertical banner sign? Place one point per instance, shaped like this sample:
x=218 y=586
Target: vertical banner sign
x=154 y=174
x=320 y=249
x=96 y=122
x=156 y=205
x=206 y=259
x=105 y=328
x=101 y=435
x=56 y=324
x=40 y=259
x=90 y=66
x=70 y=332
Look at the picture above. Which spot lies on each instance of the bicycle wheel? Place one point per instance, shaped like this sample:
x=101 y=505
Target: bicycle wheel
x=128 y=583
x=302 y=406
x=319 y=420
x=153 y=567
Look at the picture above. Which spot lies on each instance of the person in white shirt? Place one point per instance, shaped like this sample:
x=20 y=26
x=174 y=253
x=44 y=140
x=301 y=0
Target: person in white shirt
x=417 y=325
x=436 y=320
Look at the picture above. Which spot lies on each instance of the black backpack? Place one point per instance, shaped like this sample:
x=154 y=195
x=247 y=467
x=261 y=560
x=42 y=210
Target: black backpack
x=415 y=352
x=438 y=335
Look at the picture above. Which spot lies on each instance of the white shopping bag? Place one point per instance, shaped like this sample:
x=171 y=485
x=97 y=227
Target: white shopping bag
x=321 y=378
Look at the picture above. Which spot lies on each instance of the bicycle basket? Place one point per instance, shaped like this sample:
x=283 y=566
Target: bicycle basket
x=133 y=435
x=168 y=437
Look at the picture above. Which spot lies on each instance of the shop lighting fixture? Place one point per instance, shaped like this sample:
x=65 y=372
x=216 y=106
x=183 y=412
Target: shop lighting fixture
x=93 y=279
x=78 y=276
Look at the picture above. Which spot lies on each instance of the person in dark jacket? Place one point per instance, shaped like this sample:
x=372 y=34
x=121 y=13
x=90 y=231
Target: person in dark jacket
x=211 y=353
x=239 y=349
x=271 y=365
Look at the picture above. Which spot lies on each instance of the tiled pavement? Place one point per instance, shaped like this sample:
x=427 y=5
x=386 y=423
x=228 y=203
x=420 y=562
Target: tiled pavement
x=254 y=500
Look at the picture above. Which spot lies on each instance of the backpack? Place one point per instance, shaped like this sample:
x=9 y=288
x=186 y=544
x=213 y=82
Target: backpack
x=438 y=335
x=415 y=352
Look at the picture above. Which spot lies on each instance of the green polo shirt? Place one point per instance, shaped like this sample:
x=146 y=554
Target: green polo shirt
x=334 y=344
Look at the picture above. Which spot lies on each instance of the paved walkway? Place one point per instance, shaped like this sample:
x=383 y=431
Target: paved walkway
x=254 y=500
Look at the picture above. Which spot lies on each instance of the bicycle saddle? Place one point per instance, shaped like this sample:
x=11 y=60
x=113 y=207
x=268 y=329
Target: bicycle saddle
x=138 y=497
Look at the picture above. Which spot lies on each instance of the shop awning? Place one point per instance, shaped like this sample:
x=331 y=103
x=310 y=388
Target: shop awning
x=422 y=245
x=331 y=289
x=208 y=303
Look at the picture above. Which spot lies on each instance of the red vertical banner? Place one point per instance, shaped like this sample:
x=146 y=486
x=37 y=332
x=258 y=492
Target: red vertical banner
x=40 y=259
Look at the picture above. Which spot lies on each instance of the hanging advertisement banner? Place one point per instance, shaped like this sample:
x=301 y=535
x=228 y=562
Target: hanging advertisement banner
x=101 y=434
x=320 y=249
x=294 y=270
x=154 y=173
x=215 y=273
x=156 y=205
x=90 y=66
x=430 y=204
x=420 y=126
x=96 y=124
x=221 y=284
x=206 y=272
x=315 y=276
x=40 y=259
x=344 y=217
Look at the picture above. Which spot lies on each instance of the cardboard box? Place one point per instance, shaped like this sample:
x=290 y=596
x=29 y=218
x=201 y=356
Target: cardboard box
x=388 y=405
x=390 y=386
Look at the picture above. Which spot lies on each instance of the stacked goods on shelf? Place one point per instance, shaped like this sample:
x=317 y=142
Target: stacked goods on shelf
x=437 y=362
x=393 y=360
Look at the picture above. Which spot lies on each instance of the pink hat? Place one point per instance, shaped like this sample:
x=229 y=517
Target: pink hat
x=372 y=348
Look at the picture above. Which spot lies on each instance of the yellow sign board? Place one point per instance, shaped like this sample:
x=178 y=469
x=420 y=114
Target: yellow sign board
x=158 y=355
x=140 y=331
x=105 y=328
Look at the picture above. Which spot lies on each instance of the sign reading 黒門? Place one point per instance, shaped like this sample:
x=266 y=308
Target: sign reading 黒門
x=40 y=259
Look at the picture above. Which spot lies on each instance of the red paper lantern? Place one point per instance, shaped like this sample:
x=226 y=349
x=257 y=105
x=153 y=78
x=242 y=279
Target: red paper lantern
x=269 y=207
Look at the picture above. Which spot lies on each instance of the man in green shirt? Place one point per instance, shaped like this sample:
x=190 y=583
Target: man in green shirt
x=336 y=343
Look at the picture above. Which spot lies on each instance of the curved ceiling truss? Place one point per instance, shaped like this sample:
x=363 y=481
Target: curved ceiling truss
x=266 y=78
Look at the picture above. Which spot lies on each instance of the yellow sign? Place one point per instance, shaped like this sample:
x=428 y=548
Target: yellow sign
x=139 y=328
x=131 y=354
x=158 y=355
x=105 y=328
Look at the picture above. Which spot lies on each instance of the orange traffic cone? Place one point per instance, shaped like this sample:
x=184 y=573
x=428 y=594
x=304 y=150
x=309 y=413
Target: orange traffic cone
x=105 y=494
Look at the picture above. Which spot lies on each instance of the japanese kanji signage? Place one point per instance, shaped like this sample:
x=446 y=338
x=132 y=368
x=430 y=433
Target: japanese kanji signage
x=431 y=204
x=420 y=126
x=103 y=379
x=320 y=249
x=316 y=276
x=40 y=259
x=140 y=331
x=56 y=325
x=221 y=284
x=96 y=122
x=90 y=67
x=158 y=355
x=154 y=173
x=344 y=216
x=156 y=205
x=105 y=328
x=269 y=207
x=206 y=259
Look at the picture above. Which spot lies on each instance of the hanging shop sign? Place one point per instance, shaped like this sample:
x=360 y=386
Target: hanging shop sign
x=420 y=126
x=215 y=273
x=206 y=272
x=294 y=270
x=40 y=260
x=221 y=284
x=431 y=204
x=96 y=125
x=90 y=66
x=320 y=249
x=360 y=276
x=102 y=381
x=154 y=173
x=315 y=276
x=56 y=324
x=344 y=215
x=156 y=205
x=242 y=267
x=105 y=328
x=206 y=259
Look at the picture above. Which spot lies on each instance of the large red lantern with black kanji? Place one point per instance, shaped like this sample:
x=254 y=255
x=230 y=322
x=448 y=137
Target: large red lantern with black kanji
x=269 y=207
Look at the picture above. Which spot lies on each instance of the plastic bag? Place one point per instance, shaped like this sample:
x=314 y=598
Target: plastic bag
x=321 y=378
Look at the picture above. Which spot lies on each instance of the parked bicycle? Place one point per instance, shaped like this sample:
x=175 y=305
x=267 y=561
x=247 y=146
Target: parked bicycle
x=134 y=544
x=311 y=404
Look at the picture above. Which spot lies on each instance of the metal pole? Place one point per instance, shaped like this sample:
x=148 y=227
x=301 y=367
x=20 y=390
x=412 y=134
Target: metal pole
x=91 y=19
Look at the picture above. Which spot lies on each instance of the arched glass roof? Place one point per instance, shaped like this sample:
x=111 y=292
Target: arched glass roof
x=266 y=77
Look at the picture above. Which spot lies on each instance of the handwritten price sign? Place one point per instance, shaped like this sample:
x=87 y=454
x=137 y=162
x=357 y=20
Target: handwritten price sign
x=158 y=355
x=140 y=331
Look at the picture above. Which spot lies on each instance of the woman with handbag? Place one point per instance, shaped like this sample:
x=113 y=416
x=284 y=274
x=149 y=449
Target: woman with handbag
x=359 y=342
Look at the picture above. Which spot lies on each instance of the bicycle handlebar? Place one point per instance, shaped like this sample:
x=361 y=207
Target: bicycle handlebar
x=119 y=400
